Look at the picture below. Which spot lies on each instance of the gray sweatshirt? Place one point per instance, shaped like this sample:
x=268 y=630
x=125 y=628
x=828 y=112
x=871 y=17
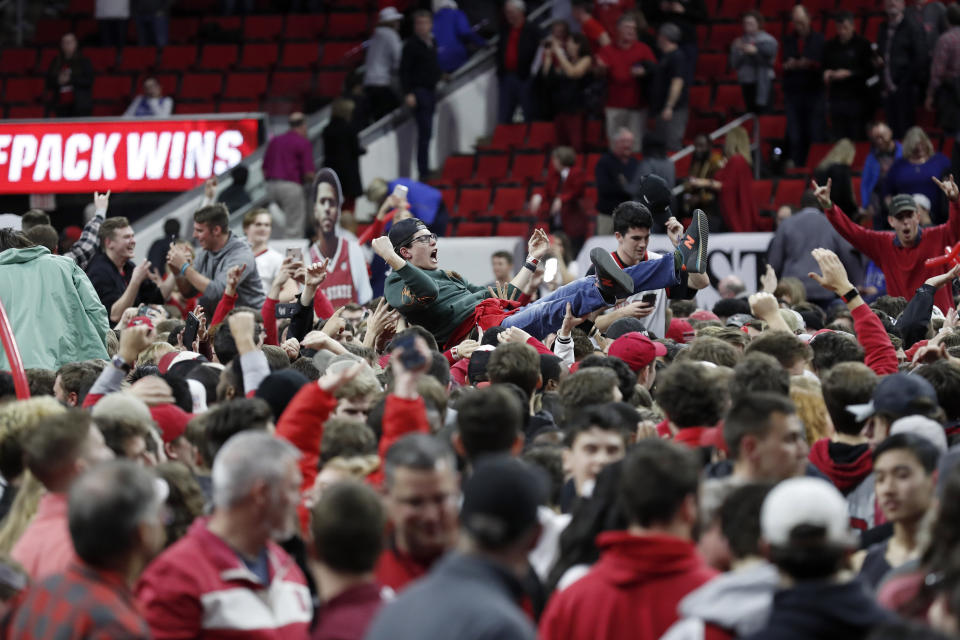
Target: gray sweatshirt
x=215 y=264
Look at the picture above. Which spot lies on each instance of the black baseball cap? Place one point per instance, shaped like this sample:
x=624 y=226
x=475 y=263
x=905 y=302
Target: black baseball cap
x=655 y=194
x=401 y=233
x=500 y=500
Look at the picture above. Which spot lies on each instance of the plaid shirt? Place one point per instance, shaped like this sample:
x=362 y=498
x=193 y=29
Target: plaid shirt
x=946 y=60
x=82 y=602
x=84 y=248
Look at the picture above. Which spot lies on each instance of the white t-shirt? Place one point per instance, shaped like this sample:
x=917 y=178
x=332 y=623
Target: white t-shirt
x=656 y=321
x=268 y=263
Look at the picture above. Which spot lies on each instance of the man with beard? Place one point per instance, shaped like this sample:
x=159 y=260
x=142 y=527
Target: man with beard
x=227 y=577
x=347 y=278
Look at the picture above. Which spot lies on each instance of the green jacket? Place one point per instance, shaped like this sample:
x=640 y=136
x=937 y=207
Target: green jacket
x=438 y=300
x=54 y=311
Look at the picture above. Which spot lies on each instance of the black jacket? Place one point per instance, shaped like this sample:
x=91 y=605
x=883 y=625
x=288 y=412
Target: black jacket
x=467 y=597
x=81 y=79
x=821 y=610
x=694 y=12
x=612 y=178
x=341 y=152
x=854 y=55
x=526 y=48
x=803 y=80
x=908 y=61
x=110 y=283
x=419 y=67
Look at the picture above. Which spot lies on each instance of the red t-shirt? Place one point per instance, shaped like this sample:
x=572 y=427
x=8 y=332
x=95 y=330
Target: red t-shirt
x=511 y=53
x=609 y=11
x=592 y=29
x=623 y=88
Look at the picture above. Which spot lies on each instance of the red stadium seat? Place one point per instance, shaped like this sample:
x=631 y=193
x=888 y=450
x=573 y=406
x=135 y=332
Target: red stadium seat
x=245 y=85
x=111 y=88
x=729 y=100
x=201 y=86
x=872 y=29
x=184 y=30
x=299 y=55
x=50 y=30
x=304 y=26
x=168 y=81
x=266 y=28
x=102 y=58
x=81 y=7
x=348 y=25
x=185 y=108
x=712 y=66
x=590 y=169
x=722 y=36
x=46 y=58
x=527 y=167
x=773 y=127
x=699 y=98
x=137 y=59
x=543 y=135
x=789 y=191
x=291 y=82
x=482 y=229
x=218 y=57
x=681 y=167
x=734 y=9
x=259 y=56
x=505 y=228
x=18 y=61
x=108 y=109
x=25 y=111
x=863 y=150
x=224 y=23
x=508 y=200
x=508 y=136
x=178 y=57
x=457 y=169
x=596 y=134
x=818 y=151
x=341 y=54
x=473 y=201
x=87 y=29
x=762 y=191
x=239 y=106
x=492 y=168
x=449 y=195
x=330 y=83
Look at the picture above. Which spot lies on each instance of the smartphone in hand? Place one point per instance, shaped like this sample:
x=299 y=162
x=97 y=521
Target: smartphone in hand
x=649 y=298
x=190 y=330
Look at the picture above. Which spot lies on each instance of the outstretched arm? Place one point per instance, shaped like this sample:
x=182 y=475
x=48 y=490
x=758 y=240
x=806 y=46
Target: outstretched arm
x=537 y=247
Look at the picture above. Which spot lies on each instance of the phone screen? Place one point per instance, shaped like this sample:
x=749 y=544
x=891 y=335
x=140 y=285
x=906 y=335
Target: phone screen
x=192 y=324
x=649 y=298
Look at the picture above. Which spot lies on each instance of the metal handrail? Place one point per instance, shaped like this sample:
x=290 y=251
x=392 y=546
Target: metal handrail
x=722 y=131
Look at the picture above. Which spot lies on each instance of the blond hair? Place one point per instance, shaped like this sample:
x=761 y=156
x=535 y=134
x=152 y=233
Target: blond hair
x=342 y=108
x=916 y=136
x=16 y=419
x=22 y=510
x=807 y=395
x=737 y=142
x=153 y=353
x=841 y=153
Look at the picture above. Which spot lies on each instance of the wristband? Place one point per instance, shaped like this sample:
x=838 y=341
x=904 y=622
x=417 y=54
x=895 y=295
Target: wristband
x=564 y=339
x=183 y=269
x=121 y=364
x=532 y=260
x=850 y=295
x=530 y=265
x=454 y=353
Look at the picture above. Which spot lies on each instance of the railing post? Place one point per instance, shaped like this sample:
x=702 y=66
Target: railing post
x=13 y=356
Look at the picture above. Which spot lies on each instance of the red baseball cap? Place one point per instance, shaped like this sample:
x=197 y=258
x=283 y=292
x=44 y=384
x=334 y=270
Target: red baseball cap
x=703 y=315
x=680 y=331
x=636 y=349
x=171 y=419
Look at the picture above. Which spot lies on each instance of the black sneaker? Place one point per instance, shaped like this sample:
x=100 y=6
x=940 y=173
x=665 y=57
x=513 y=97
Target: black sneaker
x=612 y=281
x=693 y=244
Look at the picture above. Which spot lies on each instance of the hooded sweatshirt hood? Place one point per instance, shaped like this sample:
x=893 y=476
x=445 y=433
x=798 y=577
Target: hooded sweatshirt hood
x=738 y=601
x=824 y=610
x=846 y=465
x=20 y=256
x=627 y=559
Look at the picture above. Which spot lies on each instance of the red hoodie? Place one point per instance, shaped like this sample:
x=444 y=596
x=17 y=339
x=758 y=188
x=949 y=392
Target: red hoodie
x=632 y=592
x=845 y=474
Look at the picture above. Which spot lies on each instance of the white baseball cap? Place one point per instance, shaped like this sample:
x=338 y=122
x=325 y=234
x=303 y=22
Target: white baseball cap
x=810 y=501
x=390 y=14
x=923 y=427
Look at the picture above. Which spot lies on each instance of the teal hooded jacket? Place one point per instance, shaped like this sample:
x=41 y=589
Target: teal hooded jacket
x=54 y=311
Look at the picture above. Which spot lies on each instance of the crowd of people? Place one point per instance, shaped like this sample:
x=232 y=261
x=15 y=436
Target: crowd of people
x=227 y=441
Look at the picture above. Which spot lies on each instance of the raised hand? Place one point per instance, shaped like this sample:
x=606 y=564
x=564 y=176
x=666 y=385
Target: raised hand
x=538 y=245
x=141 y=271
x=101 y=200
x=502 y=292
x=938 y=281
x=674 y=230
x=949 y=188
x=234 y=274
x=763 y=305
x=133 y=341
x=384 y=248
x=335 y=324
x=210 y=188
x=513 y=334
x=466 y=348
x=316 y=273
x=570 y=321
x=768 y=281
x=834 y=276
x=822 y=193
x=291 y=346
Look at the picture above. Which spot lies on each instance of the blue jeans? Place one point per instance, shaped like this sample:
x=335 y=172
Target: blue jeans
x=545 y=316
x=152 y=29
x=423 y=114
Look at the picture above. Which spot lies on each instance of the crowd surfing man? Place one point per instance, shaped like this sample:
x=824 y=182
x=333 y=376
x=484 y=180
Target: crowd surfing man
x=449 y=307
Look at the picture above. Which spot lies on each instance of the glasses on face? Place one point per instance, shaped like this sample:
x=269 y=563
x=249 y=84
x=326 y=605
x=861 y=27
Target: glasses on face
x=427 y=239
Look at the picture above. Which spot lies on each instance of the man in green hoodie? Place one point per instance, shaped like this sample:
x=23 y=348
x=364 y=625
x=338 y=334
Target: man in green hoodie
x=449 y=307
x=55 y=313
